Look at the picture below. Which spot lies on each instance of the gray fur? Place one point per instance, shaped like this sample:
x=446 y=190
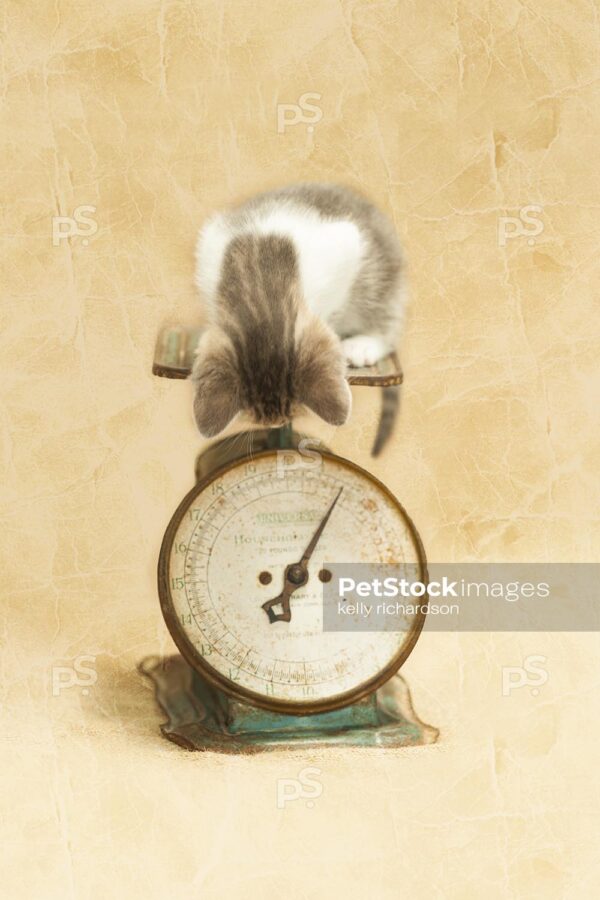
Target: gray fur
x=375 y=305
x=255 y=359
x=390 y=404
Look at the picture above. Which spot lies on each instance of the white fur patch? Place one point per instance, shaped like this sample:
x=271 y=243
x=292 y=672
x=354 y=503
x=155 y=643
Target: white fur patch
x=364 y=350
x=213 y=239
x=329 y=252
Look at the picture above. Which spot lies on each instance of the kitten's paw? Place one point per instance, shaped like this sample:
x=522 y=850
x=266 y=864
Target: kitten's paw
x=363 y=350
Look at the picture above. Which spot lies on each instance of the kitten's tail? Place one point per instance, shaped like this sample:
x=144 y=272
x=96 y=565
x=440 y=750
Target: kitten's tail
x=390 y=404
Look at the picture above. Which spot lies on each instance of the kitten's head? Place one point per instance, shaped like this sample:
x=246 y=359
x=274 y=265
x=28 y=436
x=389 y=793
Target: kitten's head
x=268 y=384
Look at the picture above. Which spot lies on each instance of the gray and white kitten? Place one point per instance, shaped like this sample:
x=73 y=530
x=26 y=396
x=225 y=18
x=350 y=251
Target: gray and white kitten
x=299 y=282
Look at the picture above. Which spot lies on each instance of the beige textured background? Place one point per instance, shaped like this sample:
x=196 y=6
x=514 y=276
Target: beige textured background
x=451 y=115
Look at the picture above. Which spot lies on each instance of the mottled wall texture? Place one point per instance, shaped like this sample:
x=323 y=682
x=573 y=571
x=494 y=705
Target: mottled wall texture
x=476 y=125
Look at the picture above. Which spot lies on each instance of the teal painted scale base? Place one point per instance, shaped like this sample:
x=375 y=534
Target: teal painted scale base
x=201 y=717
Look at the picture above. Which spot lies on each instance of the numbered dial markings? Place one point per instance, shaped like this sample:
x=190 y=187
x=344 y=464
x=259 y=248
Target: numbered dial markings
x=229 y=551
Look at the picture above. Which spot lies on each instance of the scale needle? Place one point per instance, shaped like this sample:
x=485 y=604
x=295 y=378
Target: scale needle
x=296 y=574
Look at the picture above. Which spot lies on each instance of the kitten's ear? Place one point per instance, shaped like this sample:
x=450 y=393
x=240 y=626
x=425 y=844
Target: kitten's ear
x=321 y=374
x=216 y=389
x=331 y=400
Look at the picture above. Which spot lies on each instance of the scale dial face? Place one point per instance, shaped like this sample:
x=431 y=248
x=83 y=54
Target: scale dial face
x=238 y=542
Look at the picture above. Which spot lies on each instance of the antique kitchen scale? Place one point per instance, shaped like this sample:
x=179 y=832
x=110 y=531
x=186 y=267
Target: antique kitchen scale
x=241 y=575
